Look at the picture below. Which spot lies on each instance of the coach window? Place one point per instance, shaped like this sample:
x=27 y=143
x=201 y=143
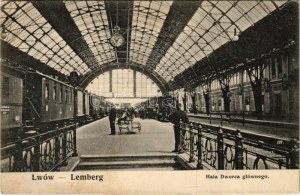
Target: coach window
x=273 y=68
x=54 y=93
x=5 y=87
x=47 y=91
x=61 y=94
x=70 y=96
x=279 y=66
x=66 y=95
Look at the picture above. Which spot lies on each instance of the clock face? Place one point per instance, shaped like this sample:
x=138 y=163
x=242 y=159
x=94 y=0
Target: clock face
x=117 y=40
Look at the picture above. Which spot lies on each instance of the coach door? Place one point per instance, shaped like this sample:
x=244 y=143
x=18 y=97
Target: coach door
x=277 y=104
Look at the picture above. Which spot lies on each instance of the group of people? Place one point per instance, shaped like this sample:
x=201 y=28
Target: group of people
x=175 y=117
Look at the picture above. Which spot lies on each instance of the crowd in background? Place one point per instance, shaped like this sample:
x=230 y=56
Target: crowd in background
x=161 y=114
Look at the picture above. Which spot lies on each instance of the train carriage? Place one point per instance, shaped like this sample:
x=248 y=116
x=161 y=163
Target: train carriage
x=94 y=106
x=49 y=100
x=83 y=107
x=80 y=104
x=103 y=107
x=11 y=104
x=34 y=101
x=86 y=107
x=108 y=107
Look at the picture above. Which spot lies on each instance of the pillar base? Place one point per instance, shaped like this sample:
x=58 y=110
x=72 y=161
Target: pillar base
x=75 y=153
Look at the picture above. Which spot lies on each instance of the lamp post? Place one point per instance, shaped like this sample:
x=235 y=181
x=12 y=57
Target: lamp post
x=235 y=36
x=74 y=80
x=207 y=100
x=75 y=121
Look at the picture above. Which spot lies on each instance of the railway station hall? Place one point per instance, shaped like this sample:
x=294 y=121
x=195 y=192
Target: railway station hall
x=149 y=85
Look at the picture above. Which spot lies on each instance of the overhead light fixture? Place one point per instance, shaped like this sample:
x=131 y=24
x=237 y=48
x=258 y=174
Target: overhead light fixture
x=235 y=36
x=3 y=33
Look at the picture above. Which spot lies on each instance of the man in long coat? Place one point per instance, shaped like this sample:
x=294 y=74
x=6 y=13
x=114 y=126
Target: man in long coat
x=175 y=118
x=112 y=118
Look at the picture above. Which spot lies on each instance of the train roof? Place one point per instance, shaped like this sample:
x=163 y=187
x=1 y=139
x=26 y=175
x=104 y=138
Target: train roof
x=12 y=71
x=51 y=78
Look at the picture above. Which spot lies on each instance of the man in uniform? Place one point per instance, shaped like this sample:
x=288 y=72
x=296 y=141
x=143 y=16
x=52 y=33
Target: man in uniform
x=175 y=118
x=112 y=118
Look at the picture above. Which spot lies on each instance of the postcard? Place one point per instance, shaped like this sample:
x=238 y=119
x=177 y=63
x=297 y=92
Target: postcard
x=149 y=97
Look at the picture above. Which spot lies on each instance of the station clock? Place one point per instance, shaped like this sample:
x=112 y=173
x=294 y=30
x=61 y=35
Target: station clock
x=116 y=40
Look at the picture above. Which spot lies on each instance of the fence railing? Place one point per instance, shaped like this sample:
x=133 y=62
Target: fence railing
x=219 y=150
x=40 y=152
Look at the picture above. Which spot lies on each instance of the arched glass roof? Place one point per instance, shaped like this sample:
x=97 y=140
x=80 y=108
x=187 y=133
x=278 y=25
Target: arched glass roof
x=210 y=26
x=91 y=19
x=29 y=31
x=147 y=21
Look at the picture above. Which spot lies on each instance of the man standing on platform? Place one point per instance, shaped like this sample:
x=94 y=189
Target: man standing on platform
x=175 y=118
x=112 y=118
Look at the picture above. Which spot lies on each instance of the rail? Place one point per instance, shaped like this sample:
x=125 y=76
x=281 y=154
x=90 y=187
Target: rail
x=41 y=152
x=228 y=116
x=219 y=150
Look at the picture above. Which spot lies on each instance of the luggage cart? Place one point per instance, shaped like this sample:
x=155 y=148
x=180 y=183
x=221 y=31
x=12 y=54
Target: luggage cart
x=129 y=125
x=136 y=125
x=124 y=125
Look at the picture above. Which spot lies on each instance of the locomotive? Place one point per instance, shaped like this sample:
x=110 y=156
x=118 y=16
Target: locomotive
x=35 y=101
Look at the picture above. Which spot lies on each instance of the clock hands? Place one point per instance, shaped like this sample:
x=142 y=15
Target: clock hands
x=117 y=40
x=120 y=41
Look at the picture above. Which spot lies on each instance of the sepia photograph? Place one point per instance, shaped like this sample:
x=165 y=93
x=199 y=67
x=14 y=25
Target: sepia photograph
x=149 y=97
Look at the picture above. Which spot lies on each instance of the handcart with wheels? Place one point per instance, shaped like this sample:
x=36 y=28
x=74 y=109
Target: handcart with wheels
x=136 y=125
x=129 y=125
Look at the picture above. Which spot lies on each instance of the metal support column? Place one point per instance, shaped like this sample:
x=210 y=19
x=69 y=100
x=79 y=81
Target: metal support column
x=110 y=81
x=134 y=83
x=75 y=122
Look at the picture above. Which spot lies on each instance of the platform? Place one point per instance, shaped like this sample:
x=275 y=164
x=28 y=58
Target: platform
x=155 y=137
x=97 y=150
